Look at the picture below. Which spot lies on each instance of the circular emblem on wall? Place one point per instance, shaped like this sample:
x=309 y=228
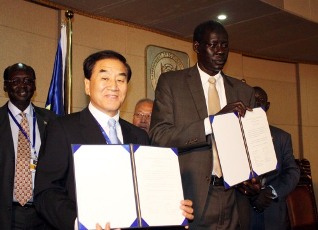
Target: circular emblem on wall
x=161 y=60
x=164 y=62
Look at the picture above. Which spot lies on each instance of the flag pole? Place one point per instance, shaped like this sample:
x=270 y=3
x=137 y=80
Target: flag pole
x=68 y=79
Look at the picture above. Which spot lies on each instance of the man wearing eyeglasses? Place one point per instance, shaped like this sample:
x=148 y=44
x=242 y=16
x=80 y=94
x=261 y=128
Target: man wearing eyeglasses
x=142 y=114
x=21 y=132
x=268 y=208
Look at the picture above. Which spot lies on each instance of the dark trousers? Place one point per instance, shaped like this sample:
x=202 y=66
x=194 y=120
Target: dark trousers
x=220 y=211
x=26 y=218
x=258 y=221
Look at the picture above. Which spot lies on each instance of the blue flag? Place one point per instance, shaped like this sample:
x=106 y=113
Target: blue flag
x=55 y=97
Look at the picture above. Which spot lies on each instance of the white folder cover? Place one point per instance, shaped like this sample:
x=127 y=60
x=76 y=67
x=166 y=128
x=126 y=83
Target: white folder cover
x=129 y=186
x=244 y=145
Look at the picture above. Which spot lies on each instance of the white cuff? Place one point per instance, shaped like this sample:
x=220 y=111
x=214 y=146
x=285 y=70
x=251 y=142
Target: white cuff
x=207 y=126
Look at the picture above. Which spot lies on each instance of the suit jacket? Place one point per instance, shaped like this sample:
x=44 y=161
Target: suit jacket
x=178 y=121
x=7 y=160
x=54 y=181
x=283 y=180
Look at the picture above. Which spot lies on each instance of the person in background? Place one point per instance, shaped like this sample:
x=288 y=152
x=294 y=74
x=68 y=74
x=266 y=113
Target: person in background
x=142 y=114
x=184 y=100
x=21 y=133
x=106 y=82
x=268 y=207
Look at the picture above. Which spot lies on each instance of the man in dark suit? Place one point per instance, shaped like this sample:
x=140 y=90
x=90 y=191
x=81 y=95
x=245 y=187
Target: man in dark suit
x=180 y=119
x=268 y=208
x=106 y=81
x=19 y=83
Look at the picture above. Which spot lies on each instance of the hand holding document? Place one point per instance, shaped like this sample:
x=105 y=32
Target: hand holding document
x=244 y=145
x=127 y=186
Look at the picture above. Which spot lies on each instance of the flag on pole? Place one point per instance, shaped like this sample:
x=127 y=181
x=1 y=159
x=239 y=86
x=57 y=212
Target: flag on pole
x=55 y=97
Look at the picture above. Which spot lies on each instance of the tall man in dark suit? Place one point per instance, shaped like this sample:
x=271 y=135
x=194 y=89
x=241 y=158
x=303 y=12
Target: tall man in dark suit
x=180 y=119
x=106 y=81
x=268 y=208
x=19 y=83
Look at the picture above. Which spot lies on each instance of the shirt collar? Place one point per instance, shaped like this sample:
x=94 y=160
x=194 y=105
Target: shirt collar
x=205 y=77
x=102 y=118
x=15 y=111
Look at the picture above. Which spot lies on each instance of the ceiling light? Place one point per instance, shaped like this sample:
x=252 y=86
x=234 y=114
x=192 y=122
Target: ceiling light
x=222 y=17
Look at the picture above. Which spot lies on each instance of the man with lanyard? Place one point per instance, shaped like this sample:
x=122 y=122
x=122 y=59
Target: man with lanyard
x=16 y=138
x=106 y=83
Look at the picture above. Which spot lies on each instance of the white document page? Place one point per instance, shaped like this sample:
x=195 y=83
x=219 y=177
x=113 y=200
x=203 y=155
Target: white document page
x=159 y=185
x=104 y=186
x=259 y=141
x=231 y=149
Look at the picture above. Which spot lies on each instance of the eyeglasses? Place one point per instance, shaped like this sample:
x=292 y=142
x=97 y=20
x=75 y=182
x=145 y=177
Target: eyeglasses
x=18 y=81
x=141 y=115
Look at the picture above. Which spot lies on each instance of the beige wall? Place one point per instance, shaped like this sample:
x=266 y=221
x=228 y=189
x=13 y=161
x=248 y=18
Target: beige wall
x=29 y=34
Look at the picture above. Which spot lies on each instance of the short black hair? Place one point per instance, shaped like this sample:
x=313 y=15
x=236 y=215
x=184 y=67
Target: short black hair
x=261 y=92
x=91 y=60
x=261 y=98
x=202 y=28
x=17 y=67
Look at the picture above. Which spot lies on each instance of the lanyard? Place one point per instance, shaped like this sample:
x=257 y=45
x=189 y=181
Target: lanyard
x=105 y=134
x=23 y=131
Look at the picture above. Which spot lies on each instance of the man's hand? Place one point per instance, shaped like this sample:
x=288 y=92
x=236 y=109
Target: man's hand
x=263 y=200
x=107 y=227
x=187 y=212
x=186 y=207
x=250 y=187
x=237 y=107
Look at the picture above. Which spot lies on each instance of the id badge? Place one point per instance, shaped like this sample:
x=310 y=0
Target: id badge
x=33 y=163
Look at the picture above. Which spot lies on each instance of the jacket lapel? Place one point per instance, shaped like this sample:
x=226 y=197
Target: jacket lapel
x=40 y=122
x=128 y=135
x=229 y=90
x=90 y=129
x=5 y=130
x=196 y=90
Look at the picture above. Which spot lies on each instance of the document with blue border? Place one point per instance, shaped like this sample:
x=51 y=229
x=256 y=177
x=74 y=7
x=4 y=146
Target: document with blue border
x=245 y=146
x=130 y=186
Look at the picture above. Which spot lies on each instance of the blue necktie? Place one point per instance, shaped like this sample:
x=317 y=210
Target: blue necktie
x=112 y=131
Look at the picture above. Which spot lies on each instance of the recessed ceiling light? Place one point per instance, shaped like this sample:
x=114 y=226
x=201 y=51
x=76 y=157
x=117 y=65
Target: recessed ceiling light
x=222 y=17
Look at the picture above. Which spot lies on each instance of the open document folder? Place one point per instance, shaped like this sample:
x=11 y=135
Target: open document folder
x=129 y=186
x=244 y=145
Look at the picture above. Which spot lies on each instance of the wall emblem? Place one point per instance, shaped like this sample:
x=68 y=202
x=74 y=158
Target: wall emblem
x=160 y=60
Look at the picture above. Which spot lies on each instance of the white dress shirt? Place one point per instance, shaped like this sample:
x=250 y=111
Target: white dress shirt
x=221 y=91
x=103 y=118
x=15 y=132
